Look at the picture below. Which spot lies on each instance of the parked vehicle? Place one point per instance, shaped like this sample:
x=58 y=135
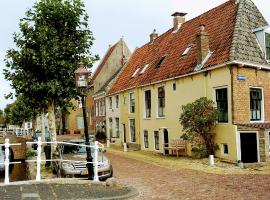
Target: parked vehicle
x=79 y=169
x=2 y=160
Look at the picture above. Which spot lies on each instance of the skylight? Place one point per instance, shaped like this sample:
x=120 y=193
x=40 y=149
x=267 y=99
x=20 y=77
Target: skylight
x=144 y=68
x=134 y=74
x=160 y=61
x=187 y=50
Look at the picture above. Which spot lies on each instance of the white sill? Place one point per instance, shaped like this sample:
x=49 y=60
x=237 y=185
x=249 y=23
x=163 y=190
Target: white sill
x=225 y=155
x=222 y=123
x=147 y=118
x=161 y=117
x=254 y=122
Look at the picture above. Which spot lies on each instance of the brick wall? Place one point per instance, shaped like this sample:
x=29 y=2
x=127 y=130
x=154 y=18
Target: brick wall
x=241 y=94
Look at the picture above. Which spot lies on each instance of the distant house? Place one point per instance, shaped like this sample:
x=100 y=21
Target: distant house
x=108 y=69
x=223 y=55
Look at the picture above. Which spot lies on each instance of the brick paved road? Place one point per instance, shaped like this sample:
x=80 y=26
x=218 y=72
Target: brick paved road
x=156 y=182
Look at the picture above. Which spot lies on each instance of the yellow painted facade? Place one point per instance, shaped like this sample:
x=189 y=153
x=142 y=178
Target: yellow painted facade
x=188 y=89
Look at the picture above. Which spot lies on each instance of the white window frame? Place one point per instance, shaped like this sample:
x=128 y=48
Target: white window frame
x=129 y=95
x=264 y=37
x=144 y=68
x=222 y=148
x=262 y=120
x=147 y=138
x=157 y=104
x=144 y=107
x=136 y=72
x=117 y=101
x=215 y=101
x=130 y=138
x=110 y=102
x=154 y=147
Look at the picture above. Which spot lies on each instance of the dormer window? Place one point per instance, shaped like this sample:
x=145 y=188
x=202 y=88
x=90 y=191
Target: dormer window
x=186 y=50
x=267 y=46
x=144 y=68
x=136 y=72
x=160 y=61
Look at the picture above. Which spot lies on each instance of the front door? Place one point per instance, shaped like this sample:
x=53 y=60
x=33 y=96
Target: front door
x=166 y=140
x=249 y=151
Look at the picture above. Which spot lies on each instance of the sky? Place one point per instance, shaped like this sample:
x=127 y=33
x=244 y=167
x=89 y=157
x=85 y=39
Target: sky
x=109 y=21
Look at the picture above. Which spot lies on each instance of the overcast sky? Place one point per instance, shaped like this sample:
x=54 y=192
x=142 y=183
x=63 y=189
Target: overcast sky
x=110 y=20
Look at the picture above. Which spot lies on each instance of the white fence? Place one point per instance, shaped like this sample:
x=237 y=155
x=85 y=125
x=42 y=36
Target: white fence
x=39 y=143
x=15 y=131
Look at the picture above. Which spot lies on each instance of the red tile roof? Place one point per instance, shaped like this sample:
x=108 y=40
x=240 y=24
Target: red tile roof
x=219 y=23
x=103 y=61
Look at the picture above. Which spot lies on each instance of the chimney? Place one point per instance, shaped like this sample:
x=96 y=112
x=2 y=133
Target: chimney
x=202 y=42
x=153 y=36
x=178 y=20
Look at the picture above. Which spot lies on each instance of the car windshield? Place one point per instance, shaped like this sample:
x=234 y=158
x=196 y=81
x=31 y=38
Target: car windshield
x=67 y=149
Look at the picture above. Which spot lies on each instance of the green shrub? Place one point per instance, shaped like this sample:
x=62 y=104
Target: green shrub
x=30 y=153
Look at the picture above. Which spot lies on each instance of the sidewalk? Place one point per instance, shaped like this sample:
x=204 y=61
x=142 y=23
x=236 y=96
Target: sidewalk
x=65 y=189
x=172 y=162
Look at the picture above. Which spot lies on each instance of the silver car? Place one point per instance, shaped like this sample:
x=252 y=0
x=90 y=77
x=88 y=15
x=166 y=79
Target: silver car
x=78 y=169
x=2 y=160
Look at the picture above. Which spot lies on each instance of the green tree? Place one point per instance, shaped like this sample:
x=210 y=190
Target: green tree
x=2 y=117
x=54 y=36
x=19 y=111
x=198 y=119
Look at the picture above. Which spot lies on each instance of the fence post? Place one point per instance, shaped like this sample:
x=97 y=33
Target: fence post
x=38 y=158
x=6 y=161
x=96 y=161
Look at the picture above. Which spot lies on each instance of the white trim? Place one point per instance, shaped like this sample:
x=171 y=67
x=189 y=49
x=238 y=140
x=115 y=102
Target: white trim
x=262 y=106
x=238 y=142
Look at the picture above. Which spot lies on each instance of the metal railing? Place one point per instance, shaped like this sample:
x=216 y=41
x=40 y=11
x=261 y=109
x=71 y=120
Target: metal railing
x=39 y=143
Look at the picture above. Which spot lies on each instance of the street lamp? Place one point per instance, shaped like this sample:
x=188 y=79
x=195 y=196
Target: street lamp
x=81 y=76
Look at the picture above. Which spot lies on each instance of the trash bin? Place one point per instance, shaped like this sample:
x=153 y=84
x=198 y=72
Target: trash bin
x=47 y=150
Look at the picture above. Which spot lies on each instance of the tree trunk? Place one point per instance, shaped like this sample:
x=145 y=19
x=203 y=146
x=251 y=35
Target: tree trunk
x=42 y=125
x=63 y=119
x=51 y=120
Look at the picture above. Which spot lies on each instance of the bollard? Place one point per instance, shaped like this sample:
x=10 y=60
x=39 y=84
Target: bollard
x=211 y=160
x=108 y=143
x=38 y=158
x=125 y=147
x=96 y=161
x=6 y=161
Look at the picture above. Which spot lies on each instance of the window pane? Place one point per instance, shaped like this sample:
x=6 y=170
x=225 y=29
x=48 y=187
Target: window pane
x=156 y=136
x=256 y=104
x=161 y=101
x=148 y=103
x=146 y=139
x=222 y=104
x=132 y=130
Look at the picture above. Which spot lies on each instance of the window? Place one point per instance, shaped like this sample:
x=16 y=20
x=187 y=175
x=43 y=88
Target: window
x=156 y=139
x=267 y=45
x=110 y=102
x=132 y=102
x=80 y=124
x=161 y=102
x=144 y=68
x=255 y=104
x=136 y=71
x=101 y=107
x=110 y=127
x=117 y=127
x=186 y=50
x=160 y=61
x=97 y=109
x=132 y=130
x=117 y=101
x=145 y=139
x=222 y=104
x=148 y=103
x=174 y=86
x=225 y=149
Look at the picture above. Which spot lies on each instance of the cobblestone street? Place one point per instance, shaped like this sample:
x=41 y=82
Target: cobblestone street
x=157 y=182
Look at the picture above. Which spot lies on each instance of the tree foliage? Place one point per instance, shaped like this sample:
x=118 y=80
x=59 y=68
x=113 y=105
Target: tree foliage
x=54 y=36
x=198 y=119
x=2 y=117
x=19 y=111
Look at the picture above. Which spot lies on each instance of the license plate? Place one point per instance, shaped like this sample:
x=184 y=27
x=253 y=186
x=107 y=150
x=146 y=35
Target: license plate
x=84 y=172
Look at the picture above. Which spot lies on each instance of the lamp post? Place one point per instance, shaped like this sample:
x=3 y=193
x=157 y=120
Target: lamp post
x=81 y=76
